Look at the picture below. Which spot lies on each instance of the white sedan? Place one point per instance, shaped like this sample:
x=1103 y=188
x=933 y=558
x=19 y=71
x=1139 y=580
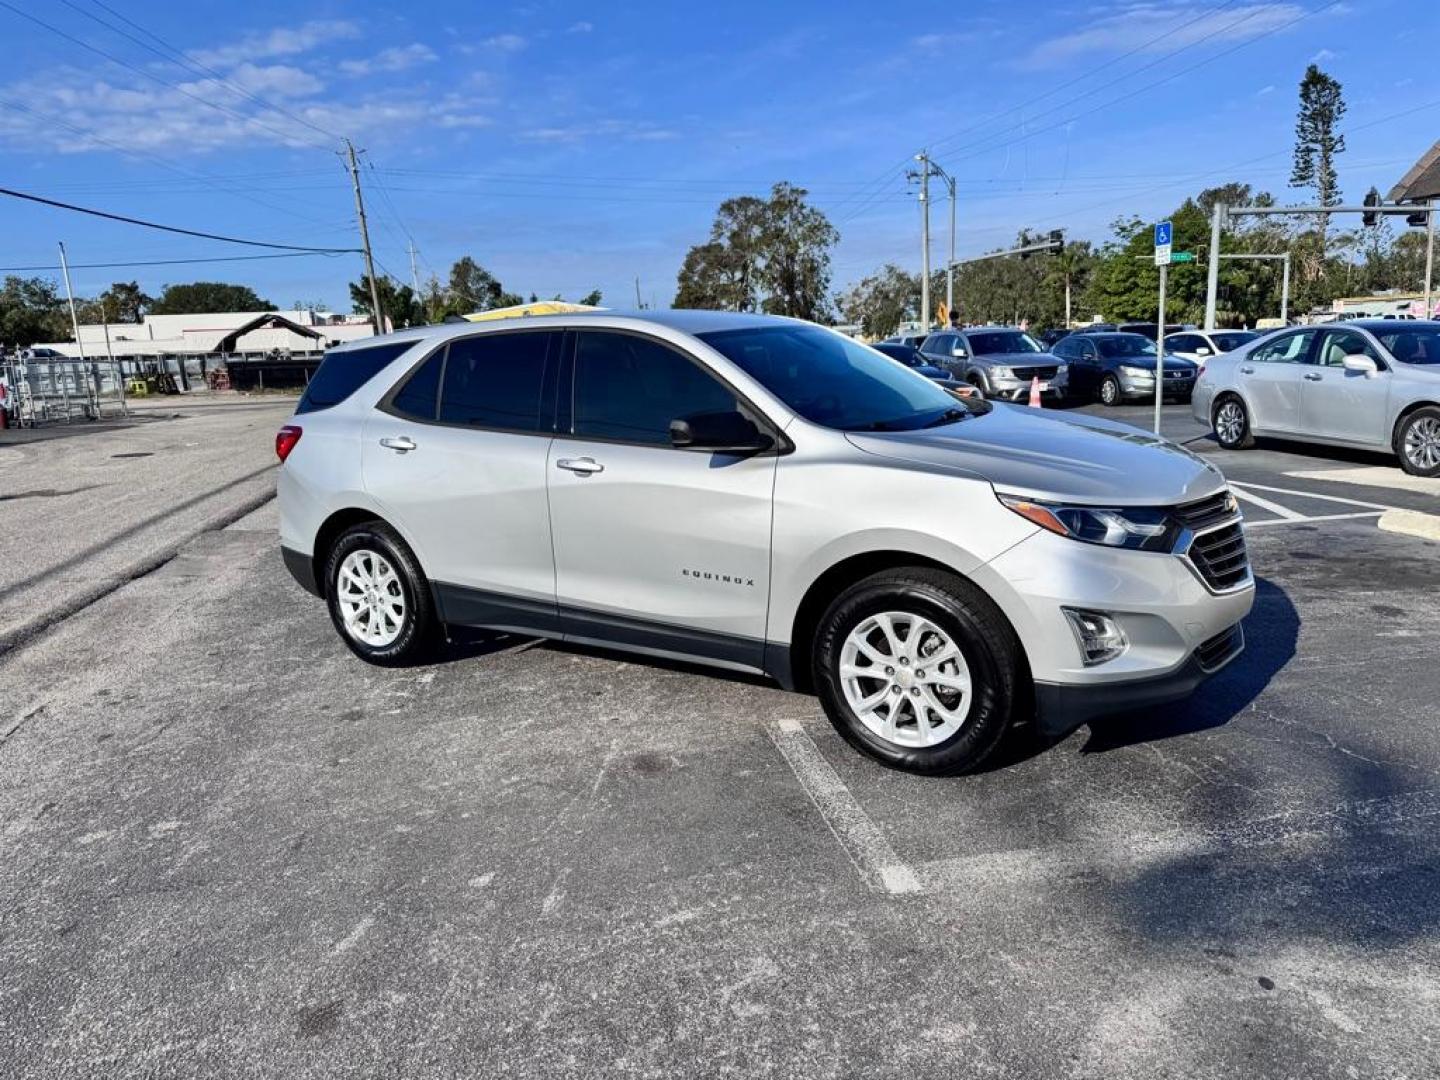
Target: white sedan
x=1200 y=345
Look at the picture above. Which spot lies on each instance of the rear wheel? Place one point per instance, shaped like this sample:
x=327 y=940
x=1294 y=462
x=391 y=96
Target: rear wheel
x=1110 y=390
x=1231 y=423
x=1417 y=442
x=378 y=597
x=917 y=669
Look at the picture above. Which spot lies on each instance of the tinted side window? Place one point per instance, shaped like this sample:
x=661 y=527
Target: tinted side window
x=1290 y=349
x=1342 y=343
x=1183 y=343
x=630 y=388
x=419 y=395
x=1064 y=348
x=495 y=380
x=342 y=373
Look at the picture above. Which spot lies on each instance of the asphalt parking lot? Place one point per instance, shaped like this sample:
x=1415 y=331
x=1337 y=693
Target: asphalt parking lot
x=231 y=849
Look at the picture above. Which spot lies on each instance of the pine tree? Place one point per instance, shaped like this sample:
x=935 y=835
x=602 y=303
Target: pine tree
x=1317 y=142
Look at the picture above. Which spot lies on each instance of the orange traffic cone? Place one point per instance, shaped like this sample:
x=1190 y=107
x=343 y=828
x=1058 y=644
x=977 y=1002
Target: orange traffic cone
x=1035 y=393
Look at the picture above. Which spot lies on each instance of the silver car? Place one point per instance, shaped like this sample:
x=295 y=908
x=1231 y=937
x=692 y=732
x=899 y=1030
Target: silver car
x=999 y=361
x=1373 y=384
x=768 y=496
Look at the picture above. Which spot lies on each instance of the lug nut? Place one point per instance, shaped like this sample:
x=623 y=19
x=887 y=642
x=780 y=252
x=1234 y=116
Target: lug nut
x=914 y=691
x=904 y=660
x=889 y=671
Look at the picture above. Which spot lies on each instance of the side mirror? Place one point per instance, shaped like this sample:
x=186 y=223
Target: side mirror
x=1361 y=363
x=1202 y=351
x=959 y=352
x=724 y=432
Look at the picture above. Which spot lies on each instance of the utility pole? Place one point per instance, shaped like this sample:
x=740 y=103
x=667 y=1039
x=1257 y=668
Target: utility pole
x=414 y=274
x=1212 y=271
x=377 y=317
x=638 y=305
x=936 y=170
x=1160 y=345
x=70 y=296
x=1429 y=256
x=924 y=176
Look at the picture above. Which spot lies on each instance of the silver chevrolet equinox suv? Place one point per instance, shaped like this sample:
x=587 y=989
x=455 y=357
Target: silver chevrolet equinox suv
x=768 y=496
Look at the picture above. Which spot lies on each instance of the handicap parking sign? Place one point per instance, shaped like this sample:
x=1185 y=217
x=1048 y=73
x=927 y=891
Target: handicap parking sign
x=1162 y=234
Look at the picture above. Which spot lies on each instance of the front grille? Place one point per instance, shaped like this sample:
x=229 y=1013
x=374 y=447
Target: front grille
x=1177 y=374
x=1220 y=556
x=1219 y=650
x=1203 y=513
x=1035 y=372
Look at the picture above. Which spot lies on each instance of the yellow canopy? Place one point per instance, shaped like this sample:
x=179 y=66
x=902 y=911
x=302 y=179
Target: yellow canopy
x=540 y=307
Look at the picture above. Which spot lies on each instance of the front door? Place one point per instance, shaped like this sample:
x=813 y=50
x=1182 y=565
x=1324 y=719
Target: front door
x=1341 y=404
x=1271 y=378
x=457 y=458
x=662 y=549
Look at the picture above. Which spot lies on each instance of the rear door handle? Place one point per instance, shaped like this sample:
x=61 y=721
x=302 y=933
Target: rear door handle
x=1312 y=376
x=581 y=466
x=402 y=444
x=1247 y=371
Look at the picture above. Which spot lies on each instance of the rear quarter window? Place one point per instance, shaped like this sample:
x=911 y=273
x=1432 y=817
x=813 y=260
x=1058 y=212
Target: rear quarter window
x=342 y=373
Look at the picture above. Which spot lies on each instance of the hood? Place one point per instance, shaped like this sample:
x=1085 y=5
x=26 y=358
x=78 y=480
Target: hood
x=1019 y=359
x=1059 y=456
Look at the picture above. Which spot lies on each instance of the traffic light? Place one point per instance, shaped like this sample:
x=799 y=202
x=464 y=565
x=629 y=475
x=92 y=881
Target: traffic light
x=1417 y=220
x=1370 y=217
x=1057 y=238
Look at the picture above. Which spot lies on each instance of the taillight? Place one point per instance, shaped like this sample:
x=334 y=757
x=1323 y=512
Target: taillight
x=285 y=440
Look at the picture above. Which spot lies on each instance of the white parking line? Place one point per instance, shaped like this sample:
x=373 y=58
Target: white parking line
x=1309 y=495
x=1265 y=504
x=863 y=842
x=1319 y=517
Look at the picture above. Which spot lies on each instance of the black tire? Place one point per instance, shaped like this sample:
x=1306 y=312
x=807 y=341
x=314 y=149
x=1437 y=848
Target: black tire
x=420 y=628
x=1110 y=392
x=978 y=383
x=985 y=639
x=1414 y=435
x=1245 y=439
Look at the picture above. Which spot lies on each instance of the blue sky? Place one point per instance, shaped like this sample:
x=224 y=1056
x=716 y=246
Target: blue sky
x=572 y=146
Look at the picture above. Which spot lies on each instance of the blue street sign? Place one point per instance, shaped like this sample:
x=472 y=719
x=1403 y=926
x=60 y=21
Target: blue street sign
x=1162 y=234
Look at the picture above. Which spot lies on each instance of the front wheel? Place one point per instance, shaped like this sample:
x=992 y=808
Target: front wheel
x=1110 y=391
x=1232 y=424
x=917 y=669
x=1418 y=442
x=378 y=597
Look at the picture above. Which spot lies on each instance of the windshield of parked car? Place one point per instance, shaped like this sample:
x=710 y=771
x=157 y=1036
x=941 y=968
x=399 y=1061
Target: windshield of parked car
x=1233 y=340
x=1412 y=346
x=1125 y=345
x=1003 y=341
x=834 y=381
x=904 y=353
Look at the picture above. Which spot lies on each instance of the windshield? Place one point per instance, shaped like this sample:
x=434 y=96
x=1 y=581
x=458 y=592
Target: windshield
x=1003 y=341
x=1125 y=345
x=1412 y=346
x=829 y=379
x=1227 y=342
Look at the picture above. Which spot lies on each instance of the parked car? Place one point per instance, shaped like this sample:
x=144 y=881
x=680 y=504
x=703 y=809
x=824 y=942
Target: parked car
x=1097 y=328
x=1372 y=384
x=1116 y=367
x=914 y=359
x=1199 y=345
x=1148 y=329
x=1051 y=336
x=1001 y=362
x=914 y=339
x=767 y=496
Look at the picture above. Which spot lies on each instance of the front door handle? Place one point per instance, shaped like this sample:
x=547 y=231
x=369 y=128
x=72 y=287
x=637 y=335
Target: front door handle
x=581 y=466
x=401 y=444
x=1247 y=371
x=1313 y=376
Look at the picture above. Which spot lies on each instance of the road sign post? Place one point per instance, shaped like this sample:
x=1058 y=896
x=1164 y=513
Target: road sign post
x=1160 y=346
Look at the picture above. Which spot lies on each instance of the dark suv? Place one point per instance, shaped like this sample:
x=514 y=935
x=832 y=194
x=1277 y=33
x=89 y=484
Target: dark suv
x=1001 y=361
x=1117 y=366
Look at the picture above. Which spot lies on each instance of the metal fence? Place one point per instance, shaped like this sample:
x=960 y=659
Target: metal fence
x=58 y=390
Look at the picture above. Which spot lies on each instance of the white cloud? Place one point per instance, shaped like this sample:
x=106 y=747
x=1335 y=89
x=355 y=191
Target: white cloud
x=1265 y=90
x=624 y=130
x=581 y=27
x=396 y=58
x=1323 y=55
x=286 y=41
x=276 y=80
x=1138 y=25
x=506 y=42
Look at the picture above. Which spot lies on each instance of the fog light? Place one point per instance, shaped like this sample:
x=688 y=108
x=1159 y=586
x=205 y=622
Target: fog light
x=1100 y=636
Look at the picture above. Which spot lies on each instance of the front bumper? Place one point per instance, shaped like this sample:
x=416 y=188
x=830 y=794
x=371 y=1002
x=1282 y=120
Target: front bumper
x=1011 y=389
x=1062 y=707
x=1136 y=386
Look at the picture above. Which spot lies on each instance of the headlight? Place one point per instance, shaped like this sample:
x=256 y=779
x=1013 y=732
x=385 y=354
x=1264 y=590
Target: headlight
x=1140 y=527
x=1137 y=372
x=1002 y=373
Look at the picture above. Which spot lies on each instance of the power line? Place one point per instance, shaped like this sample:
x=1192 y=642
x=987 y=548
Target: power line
x=168 y=262
x=171 y=228
x=289 y=136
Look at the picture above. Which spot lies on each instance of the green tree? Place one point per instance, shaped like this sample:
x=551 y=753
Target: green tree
x=205 y=297
x=398 y=303
x=592 y=298
x=1317 y=143
x=32 y=310
x=882 y=301
x=124 y=302
x=471 y=284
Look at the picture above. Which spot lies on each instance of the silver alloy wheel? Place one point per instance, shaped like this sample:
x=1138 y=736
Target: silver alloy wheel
x=1109 y=391
x=1230 y=423
x=370 y=598
x=1422 y=443
x=905 y=679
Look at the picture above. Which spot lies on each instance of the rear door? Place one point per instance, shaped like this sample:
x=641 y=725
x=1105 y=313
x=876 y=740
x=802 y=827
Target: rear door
x=1271 y=378
x=1341 y=404
x=659 y=548
x=457 y=455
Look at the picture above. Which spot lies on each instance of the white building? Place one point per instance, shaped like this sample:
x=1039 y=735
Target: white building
x=256 y=333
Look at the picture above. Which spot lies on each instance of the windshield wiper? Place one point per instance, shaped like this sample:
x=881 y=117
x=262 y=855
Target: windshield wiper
x=949 y=416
